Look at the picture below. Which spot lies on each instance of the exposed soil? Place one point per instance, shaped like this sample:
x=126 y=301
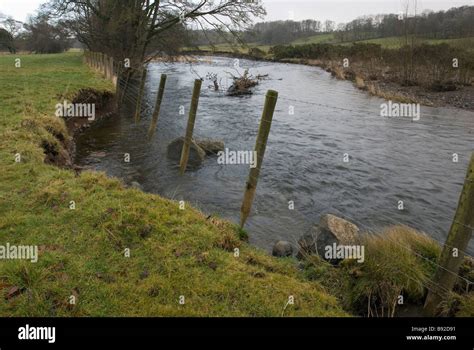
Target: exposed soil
x=104 y=108
x=63 y=156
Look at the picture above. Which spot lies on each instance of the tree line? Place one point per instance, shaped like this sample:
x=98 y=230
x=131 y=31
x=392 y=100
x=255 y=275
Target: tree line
x=40 y=34
x=151 y=27
x=453 y=23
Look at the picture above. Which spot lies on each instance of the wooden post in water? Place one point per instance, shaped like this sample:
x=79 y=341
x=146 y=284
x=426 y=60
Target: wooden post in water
x=456 y=244
x=260 y=145
x=156 y=112
x=190 y=128
x=140 y=96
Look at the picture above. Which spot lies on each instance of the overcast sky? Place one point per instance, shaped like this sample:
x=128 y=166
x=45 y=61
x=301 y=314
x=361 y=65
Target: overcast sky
x=336 y=10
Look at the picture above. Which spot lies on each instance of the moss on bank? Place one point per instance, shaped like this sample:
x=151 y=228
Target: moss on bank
x=173 y=252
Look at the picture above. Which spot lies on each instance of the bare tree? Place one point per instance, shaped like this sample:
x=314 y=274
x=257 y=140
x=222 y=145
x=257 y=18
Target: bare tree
x=9 y=31
x=329 y=26
x=127 y=28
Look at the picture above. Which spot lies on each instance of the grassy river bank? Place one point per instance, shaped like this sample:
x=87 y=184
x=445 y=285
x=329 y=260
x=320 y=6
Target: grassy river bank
x=122 y=252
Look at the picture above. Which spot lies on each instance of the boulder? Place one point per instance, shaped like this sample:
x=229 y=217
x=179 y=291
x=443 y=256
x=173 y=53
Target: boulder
x=282 y=249
x=196 y=153
x=333 y=229
x=211 y=146
x=136 y=185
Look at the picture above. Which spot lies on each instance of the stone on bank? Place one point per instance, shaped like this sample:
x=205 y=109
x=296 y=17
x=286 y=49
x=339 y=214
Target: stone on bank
x=332 y=230
x=282 y=249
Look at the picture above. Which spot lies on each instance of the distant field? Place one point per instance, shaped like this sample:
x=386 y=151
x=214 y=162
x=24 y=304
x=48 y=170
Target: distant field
x=316 y=39
x=392 y=42
x=395 y=42
x=230 y=48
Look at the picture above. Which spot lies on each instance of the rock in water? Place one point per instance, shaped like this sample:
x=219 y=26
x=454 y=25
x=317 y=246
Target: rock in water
x=211 y=146
x=333 y=229
x=282 y=249
x=196 y=153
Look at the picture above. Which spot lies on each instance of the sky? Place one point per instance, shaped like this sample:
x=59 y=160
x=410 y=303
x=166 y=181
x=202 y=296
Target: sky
x=340 y=11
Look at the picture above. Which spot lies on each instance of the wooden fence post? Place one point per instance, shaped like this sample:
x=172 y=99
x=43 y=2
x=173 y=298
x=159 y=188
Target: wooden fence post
x=105 y=62
x=113 y=73
x=456 y=243
x=108 y=71
x=123 y=89
x=118 y=88
x=140 y=96
x=102 y=64
x=156 y=112
x=189 y=130
x=260 y=145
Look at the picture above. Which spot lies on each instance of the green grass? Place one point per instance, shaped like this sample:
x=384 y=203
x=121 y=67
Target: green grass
x=399 y=262
x=316 y=39
x=234 y=48
x=395 y=42
x=172 y=252
x=391 y=268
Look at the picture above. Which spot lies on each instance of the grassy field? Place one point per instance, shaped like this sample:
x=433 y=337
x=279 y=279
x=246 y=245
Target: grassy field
x=316 y=39
x=172 y=252
x=393 y=42
x=237 y=48
x=397 y=42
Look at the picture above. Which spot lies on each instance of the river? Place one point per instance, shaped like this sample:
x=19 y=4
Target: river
x=318 y=121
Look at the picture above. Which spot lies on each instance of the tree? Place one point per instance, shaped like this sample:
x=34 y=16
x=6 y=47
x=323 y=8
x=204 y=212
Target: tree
x=329 y=26
x=9 y=31
x=6 y=41
x=128 y=28
x=44 y=36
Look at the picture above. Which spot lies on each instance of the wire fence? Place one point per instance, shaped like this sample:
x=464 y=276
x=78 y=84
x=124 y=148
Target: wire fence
x=132 y=94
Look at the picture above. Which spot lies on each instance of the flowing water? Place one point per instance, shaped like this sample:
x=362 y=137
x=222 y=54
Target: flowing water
x=390 y=159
